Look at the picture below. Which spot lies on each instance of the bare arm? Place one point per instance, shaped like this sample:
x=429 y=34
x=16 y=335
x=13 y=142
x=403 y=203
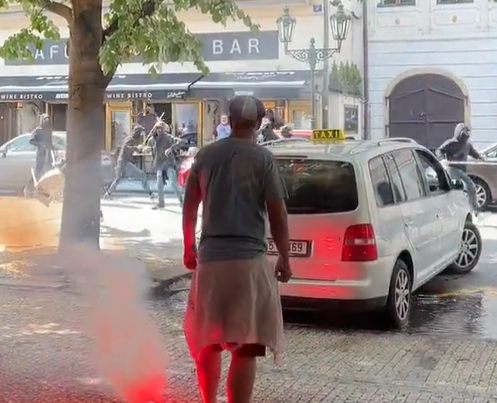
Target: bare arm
x=275 y=204
x=191 y=203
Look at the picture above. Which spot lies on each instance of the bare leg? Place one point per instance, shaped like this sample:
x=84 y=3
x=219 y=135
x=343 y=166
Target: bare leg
x=241 y=378
x=209 y=374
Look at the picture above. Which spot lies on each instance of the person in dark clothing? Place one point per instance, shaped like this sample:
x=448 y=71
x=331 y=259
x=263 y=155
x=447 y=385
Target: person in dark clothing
x=147 y=119
x=267 y=132
x=41 y=138
x=458 y=149
x=125 y=166
x=164 y=147
x=270 y=116
x=286 y=132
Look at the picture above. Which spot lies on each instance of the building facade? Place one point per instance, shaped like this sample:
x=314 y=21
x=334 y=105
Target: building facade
x=432 y=65
x=241 y=62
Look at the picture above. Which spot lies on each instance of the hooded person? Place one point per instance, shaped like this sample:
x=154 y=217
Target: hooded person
x=458 y=149
x=286 y=132
x=164 y=148
x=41 y=138
x=267 y=132
x=126 y=167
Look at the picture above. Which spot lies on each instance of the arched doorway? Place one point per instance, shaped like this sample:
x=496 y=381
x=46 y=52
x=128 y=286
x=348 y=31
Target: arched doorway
x=426 y=108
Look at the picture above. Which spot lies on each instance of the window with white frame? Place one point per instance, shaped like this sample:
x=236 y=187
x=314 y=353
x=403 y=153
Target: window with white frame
x=454 y=1
x=394 y=3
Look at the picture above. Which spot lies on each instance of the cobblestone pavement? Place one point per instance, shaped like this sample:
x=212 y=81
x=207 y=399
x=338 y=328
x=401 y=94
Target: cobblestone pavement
x=45 y=358
x=46 y=350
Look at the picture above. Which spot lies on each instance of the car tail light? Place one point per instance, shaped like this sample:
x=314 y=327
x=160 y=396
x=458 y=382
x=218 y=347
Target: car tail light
x=359 y=244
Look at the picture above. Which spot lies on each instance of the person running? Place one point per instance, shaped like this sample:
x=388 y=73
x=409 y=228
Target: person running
x=164 y=147
x=125 y=167
x=234 y=303
x=41 y=138
x=457 y=149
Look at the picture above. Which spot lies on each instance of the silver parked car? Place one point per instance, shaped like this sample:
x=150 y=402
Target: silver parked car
x=18 y=156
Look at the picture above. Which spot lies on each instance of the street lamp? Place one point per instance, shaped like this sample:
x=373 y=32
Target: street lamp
x=340 y=25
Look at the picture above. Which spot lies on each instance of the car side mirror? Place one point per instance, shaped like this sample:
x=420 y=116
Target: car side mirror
x=3 y=152
x=457 y=184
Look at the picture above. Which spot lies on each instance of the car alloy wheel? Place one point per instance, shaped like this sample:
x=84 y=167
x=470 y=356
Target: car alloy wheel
x=470 y=246
x=481 y=195
x=398 y=307
x=402 y=295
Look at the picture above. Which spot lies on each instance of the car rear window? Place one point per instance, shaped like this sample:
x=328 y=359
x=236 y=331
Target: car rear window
x=316 y=187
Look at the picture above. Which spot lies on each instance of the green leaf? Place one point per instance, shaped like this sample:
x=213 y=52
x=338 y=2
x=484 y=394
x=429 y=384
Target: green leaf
x=158 y=37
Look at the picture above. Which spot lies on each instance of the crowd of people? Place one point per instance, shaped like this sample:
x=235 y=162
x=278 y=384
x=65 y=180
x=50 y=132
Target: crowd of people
x=266 y=132
x=165 y=148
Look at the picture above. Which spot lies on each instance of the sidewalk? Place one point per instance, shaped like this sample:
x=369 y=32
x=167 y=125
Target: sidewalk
x=45 y=353
x=153 y=237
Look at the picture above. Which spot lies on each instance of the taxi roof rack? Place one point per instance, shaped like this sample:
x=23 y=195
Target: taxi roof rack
x=397 y=140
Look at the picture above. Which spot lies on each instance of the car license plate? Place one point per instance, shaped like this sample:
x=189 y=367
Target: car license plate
x=295 y=248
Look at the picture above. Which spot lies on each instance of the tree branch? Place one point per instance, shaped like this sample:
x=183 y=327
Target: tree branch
x=58 y=8
x=148 y=8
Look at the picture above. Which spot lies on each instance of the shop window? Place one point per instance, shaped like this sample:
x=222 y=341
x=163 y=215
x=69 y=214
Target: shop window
x=59 y=117
x=393 y=3
x=185 y=118
x=164 y=111
x=454 y=1
x=301 y=119
x=120 y=127
x=351 y=119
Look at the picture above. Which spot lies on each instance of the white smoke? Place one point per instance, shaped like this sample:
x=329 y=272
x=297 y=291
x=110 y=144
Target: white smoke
x=127 y=344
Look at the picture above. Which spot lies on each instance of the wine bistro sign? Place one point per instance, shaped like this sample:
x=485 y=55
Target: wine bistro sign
x=110 y=96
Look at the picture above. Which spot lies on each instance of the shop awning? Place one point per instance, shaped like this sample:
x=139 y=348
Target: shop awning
x=170 y=86
x=262 y=84
x=122 y=87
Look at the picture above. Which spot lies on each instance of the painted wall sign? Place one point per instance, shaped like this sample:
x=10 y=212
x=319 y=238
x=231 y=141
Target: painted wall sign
x=231 y=46
x=222 y=46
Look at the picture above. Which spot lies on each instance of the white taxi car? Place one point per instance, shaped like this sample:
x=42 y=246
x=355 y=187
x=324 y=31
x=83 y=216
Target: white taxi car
x=366 y=225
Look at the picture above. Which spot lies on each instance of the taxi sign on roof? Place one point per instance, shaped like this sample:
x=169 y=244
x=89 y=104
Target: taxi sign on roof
x=327 y=135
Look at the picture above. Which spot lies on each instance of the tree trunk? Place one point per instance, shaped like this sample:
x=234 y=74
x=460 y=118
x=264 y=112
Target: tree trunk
x=85 y=125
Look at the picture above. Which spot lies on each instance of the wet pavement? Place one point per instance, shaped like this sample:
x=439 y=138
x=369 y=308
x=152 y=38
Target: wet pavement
x=48 y=354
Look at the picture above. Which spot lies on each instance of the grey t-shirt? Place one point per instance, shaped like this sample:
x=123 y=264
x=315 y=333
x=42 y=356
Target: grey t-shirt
x=236 y=177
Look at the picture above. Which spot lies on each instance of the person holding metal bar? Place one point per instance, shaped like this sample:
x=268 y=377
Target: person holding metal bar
x=164 y=146
x=126 y=167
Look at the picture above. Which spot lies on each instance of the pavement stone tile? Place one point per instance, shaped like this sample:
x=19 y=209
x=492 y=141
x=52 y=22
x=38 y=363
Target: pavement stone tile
x=319 y=366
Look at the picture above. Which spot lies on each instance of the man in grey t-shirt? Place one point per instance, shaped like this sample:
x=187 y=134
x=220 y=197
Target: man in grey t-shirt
x=234 y=302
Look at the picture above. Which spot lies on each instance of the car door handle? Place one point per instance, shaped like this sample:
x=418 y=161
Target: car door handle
x=408 y=224
x=439 y=215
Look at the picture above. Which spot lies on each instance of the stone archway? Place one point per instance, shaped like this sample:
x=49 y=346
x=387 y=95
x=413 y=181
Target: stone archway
x=425 y=107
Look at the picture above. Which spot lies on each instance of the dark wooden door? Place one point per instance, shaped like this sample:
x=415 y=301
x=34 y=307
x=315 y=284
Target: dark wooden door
x=426 y=108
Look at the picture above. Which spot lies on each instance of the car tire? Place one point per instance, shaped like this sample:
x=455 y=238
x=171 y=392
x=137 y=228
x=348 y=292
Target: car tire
x=471 y=247
x=397 y=313
x=482 y=188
